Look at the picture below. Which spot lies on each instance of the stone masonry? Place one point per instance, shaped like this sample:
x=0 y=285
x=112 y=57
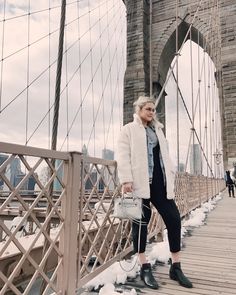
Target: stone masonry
x=207 y=25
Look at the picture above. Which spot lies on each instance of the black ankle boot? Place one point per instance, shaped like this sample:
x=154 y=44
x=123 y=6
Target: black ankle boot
x=147 y=277
x=177 y=275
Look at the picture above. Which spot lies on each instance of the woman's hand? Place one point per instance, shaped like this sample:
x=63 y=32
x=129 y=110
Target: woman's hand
x=127 y=187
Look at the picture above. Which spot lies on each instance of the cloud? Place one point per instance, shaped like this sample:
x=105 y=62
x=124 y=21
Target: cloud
x=96 y=85
x=94 y=62
x=204 y=115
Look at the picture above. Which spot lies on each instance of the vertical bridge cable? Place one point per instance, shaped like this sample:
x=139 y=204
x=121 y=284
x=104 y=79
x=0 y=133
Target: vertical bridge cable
x=109 y=61
x=218 y=149
x=80 y=79
x=102 y=82
x=177 y=81
x=120 y=64
x=213 y=101
x=85 y=101
x=192 y=103
x=179 y=51
x=150 y=48
x=210 y=108
x=46 y=244
x=27 y=76
x=119 y=68
x=67 y=94
x=205 y=145
x=219 y=77
x=15 y=52
x=36 y=87
x=113 y=93
x=2 y=53
x=91 y=73
x=58 y=77
x=209 y=104
x=199 y=95
x=109 y=73
x=49 y=73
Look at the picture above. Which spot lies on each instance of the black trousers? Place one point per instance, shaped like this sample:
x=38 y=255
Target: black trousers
x=166 y=208
x=231 y=188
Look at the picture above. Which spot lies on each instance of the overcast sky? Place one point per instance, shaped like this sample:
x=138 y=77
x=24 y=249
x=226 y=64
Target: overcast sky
x=94 y=40
x=91 y=105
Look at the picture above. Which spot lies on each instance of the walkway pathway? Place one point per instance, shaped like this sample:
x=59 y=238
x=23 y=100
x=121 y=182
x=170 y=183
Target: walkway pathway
x=208 y=257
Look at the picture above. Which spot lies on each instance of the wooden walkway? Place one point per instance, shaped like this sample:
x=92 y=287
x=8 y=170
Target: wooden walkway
x=208 y=257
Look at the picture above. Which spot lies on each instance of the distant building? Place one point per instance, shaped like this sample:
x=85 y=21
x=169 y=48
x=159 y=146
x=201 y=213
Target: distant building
x=84 y=150
x=107 y=177
x=181 y=167
x=107 y=154
x=195 y=160
x=12 y=171
x=2 y=160
x=92 y=180
x=56 y=184
x=14 y=174
x=31 y=183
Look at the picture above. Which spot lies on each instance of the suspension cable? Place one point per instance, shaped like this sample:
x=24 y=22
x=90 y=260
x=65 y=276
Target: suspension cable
x=109 y=73
x=108 y=78
x=199 y=75
x=196 y=134
x=91 y=73
x=192 y=104
x=80 y=79
x=49 y=74
x=179 y=51
x=210 y=110
x=177 y=80
x=102 y=80
x=2 y=53
x=78 y=69
x=53 y=62
x=150 y=48
x=67 y=94
x=27 y=75
x=58 y=78
x=94 y=74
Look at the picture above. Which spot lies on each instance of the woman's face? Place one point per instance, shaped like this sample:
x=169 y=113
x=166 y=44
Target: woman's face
x=147 y=112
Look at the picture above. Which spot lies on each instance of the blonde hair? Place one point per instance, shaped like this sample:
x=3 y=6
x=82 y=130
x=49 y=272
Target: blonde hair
x=141 y=102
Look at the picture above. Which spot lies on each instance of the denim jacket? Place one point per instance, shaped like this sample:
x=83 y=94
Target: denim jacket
x=152 y=141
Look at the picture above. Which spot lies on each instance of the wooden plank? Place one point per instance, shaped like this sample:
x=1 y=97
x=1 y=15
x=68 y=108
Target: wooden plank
x=208 y=256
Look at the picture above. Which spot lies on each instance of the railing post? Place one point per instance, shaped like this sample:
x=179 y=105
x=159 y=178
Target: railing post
x=1 y=230
x=68 y=239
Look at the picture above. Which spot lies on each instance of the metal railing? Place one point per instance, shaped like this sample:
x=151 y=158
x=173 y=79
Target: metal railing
x=69 y=209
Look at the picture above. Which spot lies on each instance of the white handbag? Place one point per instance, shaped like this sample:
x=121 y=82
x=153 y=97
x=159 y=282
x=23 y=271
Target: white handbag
x=128 y=208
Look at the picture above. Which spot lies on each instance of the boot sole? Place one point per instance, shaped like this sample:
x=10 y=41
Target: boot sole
x=149 y=286
x=173 y=277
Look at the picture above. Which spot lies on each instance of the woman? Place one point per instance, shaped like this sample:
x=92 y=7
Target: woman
x=229 y=183
x=145 y=170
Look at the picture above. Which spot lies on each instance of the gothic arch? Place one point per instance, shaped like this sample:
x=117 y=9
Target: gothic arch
x=137 y=76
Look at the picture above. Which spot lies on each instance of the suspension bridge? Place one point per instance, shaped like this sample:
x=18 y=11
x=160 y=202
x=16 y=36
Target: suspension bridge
x=69 y=74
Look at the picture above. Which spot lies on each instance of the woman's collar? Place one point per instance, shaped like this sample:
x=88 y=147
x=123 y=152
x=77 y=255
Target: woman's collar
x=154 y=122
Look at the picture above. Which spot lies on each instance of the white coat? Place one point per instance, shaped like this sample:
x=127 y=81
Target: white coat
x=132 y=158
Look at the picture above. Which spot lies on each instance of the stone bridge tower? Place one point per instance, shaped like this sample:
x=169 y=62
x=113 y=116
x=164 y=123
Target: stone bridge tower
x=163 y=49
